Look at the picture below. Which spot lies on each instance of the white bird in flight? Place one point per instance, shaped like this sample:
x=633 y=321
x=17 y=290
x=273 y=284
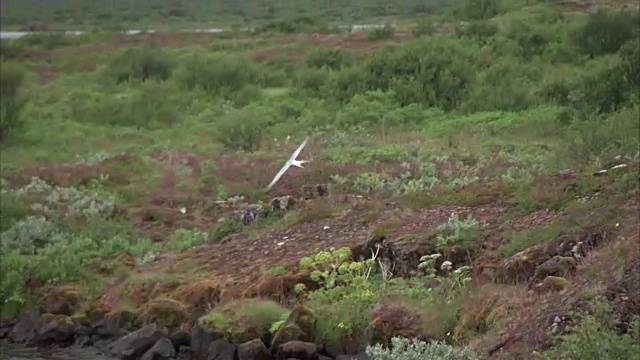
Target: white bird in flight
x=292 y=161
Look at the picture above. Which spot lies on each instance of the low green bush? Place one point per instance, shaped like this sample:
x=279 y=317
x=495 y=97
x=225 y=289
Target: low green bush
x=141 y=63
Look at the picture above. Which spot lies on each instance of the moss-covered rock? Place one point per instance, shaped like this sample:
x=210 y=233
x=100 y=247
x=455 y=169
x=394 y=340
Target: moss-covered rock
x=244 y=320
x=551 y=283
x=521 y=266
x=55 y=328
x=198 y=296
x=165 y=312
x=63 y=300
x=556 y=266
x=300 y=325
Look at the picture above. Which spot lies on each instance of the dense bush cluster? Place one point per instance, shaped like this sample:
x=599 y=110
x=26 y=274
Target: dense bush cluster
x=514 y=62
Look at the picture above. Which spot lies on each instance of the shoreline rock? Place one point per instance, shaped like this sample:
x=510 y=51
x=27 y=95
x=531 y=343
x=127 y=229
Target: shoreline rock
x=113 y=336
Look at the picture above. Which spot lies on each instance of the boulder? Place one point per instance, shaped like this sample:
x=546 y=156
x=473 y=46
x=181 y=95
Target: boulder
x=180 y=337
x=314 y=191
x=299 y=325
x=138 y=342
x=222 y=350
x=253 y=350
x=25 y=328
x=163 y=311
x=281 y=204
x=297 y=350
x=250 y=213
x=556 y=266
x=63 y=300
x=161 y=350
x=521 y=266
x=115 y=323
x=55 y=328
x=201 y=337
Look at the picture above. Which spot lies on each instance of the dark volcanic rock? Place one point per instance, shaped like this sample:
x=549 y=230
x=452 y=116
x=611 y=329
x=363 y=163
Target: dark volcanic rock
x=222 y=350
x=297 y=350
x=180 y=337
x=201 y=337
x=55 y=328
x=112 y=324
x=162 y=349
x=63 y=300
x=253 y=350
x=25 y=329
x=137 y=342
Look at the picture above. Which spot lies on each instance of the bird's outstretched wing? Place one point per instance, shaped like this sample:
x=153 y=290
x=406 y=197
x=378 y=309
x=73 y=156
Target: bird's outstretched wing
x=279 y=174
x=297 y=152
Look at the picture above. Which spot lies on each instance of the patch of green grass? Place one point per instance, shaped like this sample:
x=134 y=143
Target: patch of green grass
x=243 y=320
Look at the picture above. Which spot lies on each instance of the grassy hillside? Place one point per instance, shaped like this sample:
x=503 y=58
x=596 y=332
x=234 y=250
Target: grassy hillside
x=127 y=161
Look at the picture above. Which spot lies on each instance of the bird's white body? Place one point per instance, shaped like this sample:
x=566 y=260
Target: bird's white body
x=298 y=163
x=292 y=161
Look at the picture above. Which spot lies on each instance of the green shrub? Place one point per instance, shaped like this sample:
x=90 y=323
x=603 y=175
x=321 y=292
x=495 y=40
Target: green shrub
x=603 y=136
x=152 y=105
x=241 y=129
x=10 y=49
x=303 y=24
x=606 y=31
x=506 y=85
x=478 y=9
x=531 y=40
x=479 y=31
x=603 y=89
x=344 y=84
x=218 y=74
x=433 y=71
x=332 y=58
x=630 y=63
x=45 y=40
x=381 y=33
x=402 y=349
x=141 y=63
x=311 y=80
x=12 y=210
x=11 y=104
x=424 y=28
x=223 y=229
